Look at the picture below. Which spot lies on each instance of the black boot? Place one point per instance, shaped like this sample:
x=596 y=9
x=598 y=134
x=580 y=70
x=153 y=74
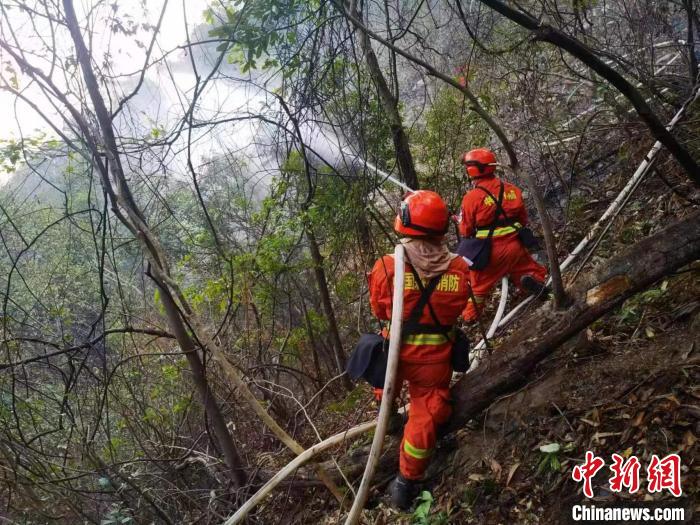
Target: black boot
x=403 y=491
x=536 y=288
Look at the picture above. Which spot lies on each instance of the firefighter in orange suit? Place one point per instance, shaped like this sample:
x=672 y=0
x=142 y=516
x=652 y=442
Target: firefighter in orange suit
x=424 y=360
x=479 y=214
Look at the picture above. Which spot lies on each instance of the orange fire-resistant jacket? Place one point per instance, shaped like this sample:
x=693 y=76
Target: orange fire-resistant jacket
x=479 y=210
x=448 y=300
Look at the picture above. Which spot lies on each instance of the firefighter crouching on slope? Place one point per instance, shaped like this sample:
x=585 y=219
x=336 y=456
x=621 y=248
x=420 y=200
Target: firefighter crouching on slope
x=479 y=214
x=424 y=359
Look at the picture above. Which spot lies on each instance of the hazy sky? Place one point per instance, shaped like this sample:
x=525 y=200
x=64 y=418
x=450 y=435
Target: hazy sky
x=166 y=91
x=126 y=55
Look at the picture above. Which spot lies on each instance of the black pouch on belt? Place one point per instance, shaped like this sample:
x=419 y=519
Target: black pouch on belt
x=476 y=251
x=369 y=360
x=460 y=351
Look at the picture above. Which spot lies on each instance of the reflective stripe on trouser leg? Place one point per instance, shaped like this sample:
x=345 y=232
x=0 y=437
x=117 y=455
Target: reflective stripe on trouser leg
x=412 y=467
x=415 y=452
x=429 y=408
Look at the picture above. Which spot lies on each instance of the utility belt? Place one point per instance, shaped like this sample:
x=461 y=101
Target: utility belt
x=426 y=334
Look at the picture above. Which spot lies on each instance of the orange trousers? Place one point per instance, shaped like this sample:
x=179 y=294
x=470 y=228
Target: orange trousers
x=429 y=393
x=508 y=257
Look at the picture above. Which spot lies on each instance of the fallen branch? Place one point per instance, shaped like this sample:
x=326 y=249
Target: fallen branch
x=297 y=462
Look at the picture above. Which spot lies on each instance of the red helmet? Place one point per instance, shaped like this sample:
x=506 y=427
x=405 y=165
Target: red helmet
x=479 y=162
x=422 y=213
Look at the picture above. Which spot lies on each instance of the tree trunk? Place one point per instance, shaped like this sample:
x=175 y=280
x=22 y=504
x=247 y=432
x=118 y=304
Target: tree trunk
x=232 y=458
x=692 y=61
x=390 y=104
x=322 y=282
x=560 y=298
x=137 y=223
